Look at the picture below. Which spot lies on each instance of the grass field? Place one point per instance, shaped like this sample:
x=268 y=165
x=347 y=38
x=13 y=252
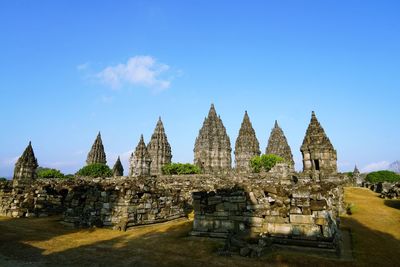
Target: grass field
x=374 y=226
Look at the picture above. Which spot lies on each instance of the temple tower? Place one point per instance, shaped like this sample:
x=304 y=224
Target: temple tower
x=278 y=145
x=357 y=176
x=25 y=168
x=212 y=149
x=140 y=160
x=97 y=154
x=118 y=169
x=159 y=149
x=319 y=156
x=246 y=146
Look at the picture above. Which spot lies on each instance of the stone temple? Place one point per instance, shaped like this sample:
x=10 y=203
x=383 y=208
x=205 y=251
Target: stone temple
x=25 y=168
x=246 y=146
x=97 y=154
x=280 y=206
x=212 y=149
x=159 y=149
x=140 y=160
x=118 y=169
x=278 y=145
x=319 y=156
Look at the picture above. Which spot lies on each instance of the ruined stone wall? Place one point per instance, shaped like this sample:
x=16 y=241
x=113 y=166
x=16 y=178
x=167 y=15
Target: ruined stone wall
x=296 y=211
x=386 y=190
x=37 y=200
x=121 y=202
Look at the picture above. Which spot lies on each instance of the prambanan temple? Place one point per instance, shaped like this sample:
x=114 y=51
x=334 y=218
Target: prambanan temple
x=279 y=206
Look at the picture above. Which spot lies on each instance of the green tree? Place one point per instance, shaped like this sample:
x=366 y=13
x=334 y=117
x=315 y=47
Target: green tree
x=382 y=176
x=49 y=173
x=95 y=170
x=266 y=162
x=180 y=168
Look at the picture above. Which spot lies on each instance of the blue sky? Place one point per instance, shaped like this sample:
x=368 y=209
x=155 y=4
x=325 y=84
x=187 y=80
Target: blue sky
x=71 y=68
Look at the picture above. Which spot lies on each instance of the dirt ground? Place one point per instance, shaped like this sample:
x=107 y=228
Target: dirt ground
x=374 y=226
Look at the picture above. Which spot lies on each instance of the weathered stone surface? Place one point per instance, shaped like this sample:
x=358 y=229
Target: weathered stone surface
x=25 y=168
x=319 y=156
x=357 y=177
x=118 y=169
x=96 y=153
x=301 y=219
x=278 y=145
x=212 y=149
x=246 y=146
x=140 y=160
x=159 y=149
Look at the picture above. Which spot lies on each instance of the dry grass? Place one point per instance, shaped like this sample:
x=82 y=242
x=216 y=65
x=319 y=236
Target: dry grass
x=375 y=227
x=47 y=242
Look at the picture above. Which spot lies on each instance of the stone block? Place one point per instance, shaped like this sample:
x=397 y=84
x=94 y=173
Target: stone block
x=318 y=205
x=279 y=229
x=301 y=219
x=301 y=193
x=307 y=230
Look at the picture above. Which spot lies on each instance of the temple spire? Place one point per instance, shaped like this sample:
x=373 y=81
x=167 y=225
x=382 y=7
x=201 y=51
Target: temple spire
x=118 y=169
x=159 y=149
x=140 y=160
x=25 y=167
x=97 y=154
x=246 y=146
x=212 y=151
x=278 y=145
x=317 y=150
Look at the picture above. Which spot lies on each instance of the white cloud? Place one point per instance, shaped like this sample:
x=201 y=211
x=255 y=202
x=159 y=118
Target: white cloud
x=376 y=166
x=138 y=71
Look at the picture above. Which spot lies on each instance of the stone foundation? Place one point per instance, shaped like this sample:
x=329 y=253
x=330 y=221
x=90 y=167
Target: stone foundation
x=293 y=206
x=296 y=211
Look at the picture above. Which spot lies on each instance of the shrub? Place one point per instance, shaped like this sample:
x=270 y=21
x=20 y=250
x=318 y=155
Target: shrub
x=49 y=173
x=180 y=168
x=266 y=162
x=350 y=208
x=3 y=179
x=95 y=170
x=382 y=176
x=69 y=176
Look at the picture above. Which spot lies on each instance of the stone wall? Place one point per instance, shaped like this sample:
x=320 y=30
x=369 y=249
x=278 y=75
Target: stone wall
x=385 y=189
x=37 y=200
x=294 y=211
x=121 y=202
